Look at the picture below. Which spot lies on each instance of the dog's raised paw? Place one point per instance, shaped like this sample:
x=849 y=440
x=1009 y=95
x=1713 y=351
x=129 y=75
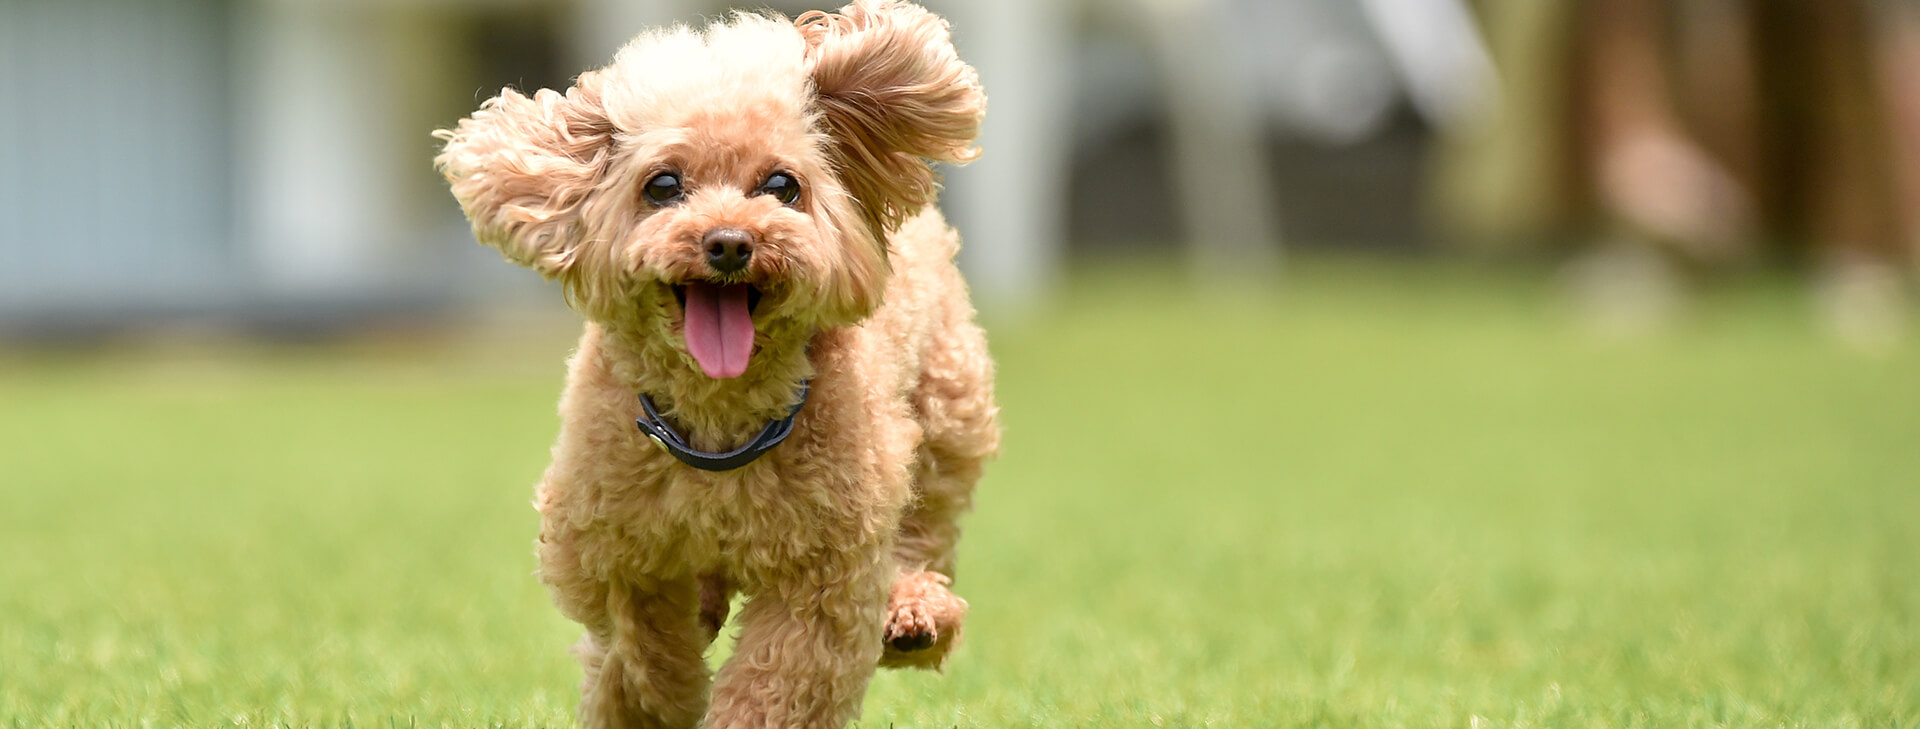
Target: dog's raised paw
x=923 y=621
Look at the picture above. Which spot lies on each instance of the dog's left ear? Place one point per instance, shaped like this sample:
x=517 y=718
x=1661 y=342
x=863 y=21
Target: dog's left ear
x=894 y=97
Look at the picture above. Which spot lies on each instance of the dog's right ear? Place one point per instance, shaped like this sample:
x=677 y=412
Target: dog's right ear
x=521 y=167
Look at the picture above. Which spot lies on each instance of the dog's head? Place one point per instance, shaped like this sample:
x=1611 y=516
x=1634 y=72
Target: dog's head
x=724 y=184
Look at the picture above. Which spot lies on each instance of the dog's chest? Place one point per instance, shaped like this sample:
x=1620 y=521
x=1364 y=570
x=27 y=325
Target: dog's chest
x=741 y=521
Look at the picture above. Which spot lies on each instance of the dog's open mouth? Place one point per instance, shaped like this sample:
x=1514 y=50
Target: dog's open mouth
x=718 y=324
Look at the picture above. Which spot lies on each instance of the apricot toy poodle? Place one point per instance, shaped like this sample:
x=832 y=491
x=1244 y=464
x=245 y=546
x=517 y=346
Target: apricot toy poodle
x=780 y=390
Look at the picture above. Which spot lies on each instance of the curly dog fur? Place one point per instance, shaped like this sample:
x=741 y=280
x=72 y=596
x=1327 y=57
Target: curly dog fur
x=842 y=538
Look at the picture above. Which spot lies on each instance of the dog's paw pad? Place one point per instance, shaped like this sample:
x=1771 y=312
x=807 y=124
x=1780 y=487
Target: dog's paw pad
x=910 y=642
x=911 y=628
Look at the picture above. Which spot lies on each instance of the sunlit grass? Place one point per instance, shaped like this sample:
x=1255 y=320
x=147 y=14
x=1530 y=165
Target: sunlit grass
x=1385 y=496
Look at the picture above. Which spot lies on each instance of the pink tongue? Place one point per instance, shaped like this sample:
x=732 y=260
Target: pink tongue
x=719 y=331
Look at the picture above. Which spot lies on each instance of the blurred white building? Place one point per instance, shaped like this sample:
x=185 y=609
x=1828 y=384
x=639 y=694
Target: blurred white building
x=255 y=159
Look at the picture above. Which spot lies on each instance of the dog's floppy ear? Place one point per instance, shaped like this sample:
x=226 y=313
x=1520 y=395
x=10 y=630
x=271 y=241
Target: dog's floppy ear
x=521 y=167
x=893 y=96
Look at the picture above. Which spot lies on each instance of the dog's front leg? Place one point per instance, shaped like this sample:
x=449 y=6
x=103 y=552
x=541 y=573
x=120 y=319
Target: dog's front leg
x=641 y=655
x=807 y=648
x=644 y=666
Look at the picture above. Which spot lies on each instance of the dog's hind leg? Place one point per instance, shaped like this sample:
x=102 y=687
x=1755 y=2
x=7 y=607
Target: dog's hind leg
x=716 y=598
x=955 y=407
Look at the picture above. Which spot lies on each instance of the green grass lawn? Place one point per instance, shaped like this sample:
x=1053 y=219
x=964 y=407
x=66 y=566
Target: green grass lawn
x=1386 y=496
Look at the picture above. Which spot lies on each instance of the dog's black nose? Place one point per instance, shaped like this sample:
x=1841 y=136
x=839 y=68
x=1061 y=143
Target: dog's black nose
x=728 y=249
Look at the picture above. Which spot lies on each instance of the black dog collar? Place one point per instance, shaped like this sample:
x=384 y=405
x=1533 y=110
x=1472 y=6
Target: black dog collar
x=672 y=442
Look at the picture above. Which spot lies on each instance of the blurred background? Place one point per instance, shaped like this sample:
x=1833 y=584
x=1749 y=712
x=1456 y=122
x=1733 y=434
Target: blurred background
x=264 y=165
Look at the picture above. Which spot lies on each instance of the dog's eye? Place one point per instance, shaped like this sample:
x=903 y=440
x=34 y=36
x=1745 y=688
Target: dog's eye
x=782 y=187
x=663 y=189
